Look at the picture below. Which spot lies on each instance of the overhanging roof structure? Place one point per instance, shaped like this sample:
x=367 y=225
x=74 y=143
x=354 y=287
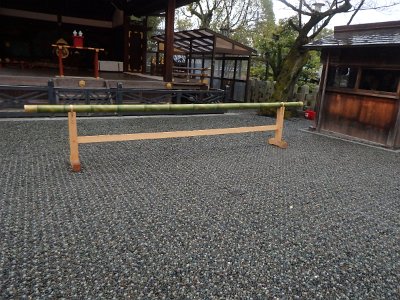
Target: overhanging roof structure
x=361 y=35
x=202 y=41
x=92 y=9
x=146 y=7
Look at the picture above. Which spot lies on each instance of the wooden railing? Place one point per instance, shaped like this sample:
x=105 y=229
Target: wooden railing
x=188 y=75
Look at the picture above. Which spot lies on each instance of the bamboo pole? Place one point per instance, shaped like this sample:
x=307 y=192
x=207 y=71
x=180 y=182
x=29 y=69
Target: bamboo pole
x=119 y=108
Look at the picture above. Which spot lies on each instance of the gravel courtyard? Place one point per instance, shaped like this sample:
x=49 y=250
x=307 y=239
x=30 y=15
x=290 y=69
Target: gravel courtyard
x=218 y=217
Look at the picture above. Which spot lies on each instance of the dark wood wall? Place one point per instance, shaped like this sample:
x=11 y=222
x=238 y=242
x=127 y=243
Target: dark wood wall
x=364 y=117
x=349 y=107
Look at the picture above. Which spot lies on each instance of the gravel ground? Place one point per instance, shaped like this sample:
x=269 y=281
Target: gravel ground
x=219 y=217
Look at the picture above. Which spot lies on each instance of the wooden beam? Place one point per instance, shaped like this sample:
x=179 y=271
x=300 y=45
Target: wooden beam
x=170 y=134
x=54 y=18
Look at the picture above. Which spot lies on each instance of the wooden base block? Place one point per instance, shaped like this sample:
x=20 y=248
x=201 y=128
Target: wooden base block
x=76 y=166
x=280 y=144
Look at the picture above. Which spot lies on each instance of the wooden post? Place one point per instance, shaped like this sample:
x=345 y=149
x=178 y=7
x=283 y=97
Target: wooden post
x=221 y=85
x=169 y=41
x=277 y=139
x=212 y=64
x=247 y=87
x=394 y=131
x=73 y=142
x=320 y=104
x=60 y=62
x=234 y=79
x=96 y=63
x=144 y=45
x=126 y=33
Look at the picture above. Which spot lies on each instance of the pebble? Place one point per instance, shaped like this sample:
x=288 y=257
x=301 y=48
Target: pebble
x=196 y=218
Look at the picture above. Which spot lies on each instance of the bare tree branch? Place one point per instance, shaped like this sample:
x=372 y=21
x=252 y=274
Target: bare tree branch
x=356 y=11
x=230 y=14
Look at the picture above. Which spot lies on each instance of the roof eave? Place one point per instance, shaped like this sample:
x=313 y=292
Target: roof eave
x=322 y=47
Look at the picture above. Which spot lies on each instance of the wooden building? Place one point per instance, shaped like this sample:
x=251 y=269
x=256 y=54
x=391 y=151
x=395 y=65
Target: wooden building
x=360 y=83
x=226 y=60
x=28 y=28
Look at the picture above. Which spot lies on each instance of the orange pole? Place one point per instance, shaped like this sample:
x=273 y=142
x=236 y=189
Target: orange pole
x=73 y=142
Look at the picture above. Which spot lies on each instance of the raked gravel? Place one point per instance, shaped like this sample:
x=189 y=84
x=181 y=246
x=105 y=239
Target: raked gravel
x=218 y=217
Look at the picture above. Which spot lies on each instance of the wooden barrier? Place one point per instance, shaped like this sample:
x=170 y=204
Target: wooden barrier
x=75 y=140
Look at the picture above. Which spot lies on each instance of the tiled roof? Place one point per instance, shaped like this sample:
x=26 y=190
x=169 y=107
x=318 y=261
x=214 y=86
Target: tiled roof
x=374 y=34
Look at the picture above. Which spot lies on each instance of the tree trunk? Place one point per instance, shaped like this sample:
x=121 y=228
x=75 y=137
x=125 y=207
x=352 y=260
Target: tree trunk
x=288 y=75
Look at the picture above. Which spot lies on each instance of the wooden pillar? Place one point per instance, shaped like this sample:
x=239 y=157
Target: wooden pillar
x=169 y=40
x=212 y=65
x=190 y=54
x=60 y=61
x=320 y=103
x=126 y=27
x=247 y=87
x=234 y=79
x=277 y=139
x=395 y=130
x=222 y=86
x=96 y=63
x=144 y=45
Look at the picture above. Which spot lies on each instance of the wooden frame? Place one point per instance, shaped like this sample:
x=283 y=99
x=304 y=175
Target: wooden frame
x=75 y=140
x=188 y=73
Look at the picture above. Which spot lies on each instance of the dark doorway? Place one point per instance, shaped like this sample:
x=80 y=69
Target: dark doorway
x=137 y=49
